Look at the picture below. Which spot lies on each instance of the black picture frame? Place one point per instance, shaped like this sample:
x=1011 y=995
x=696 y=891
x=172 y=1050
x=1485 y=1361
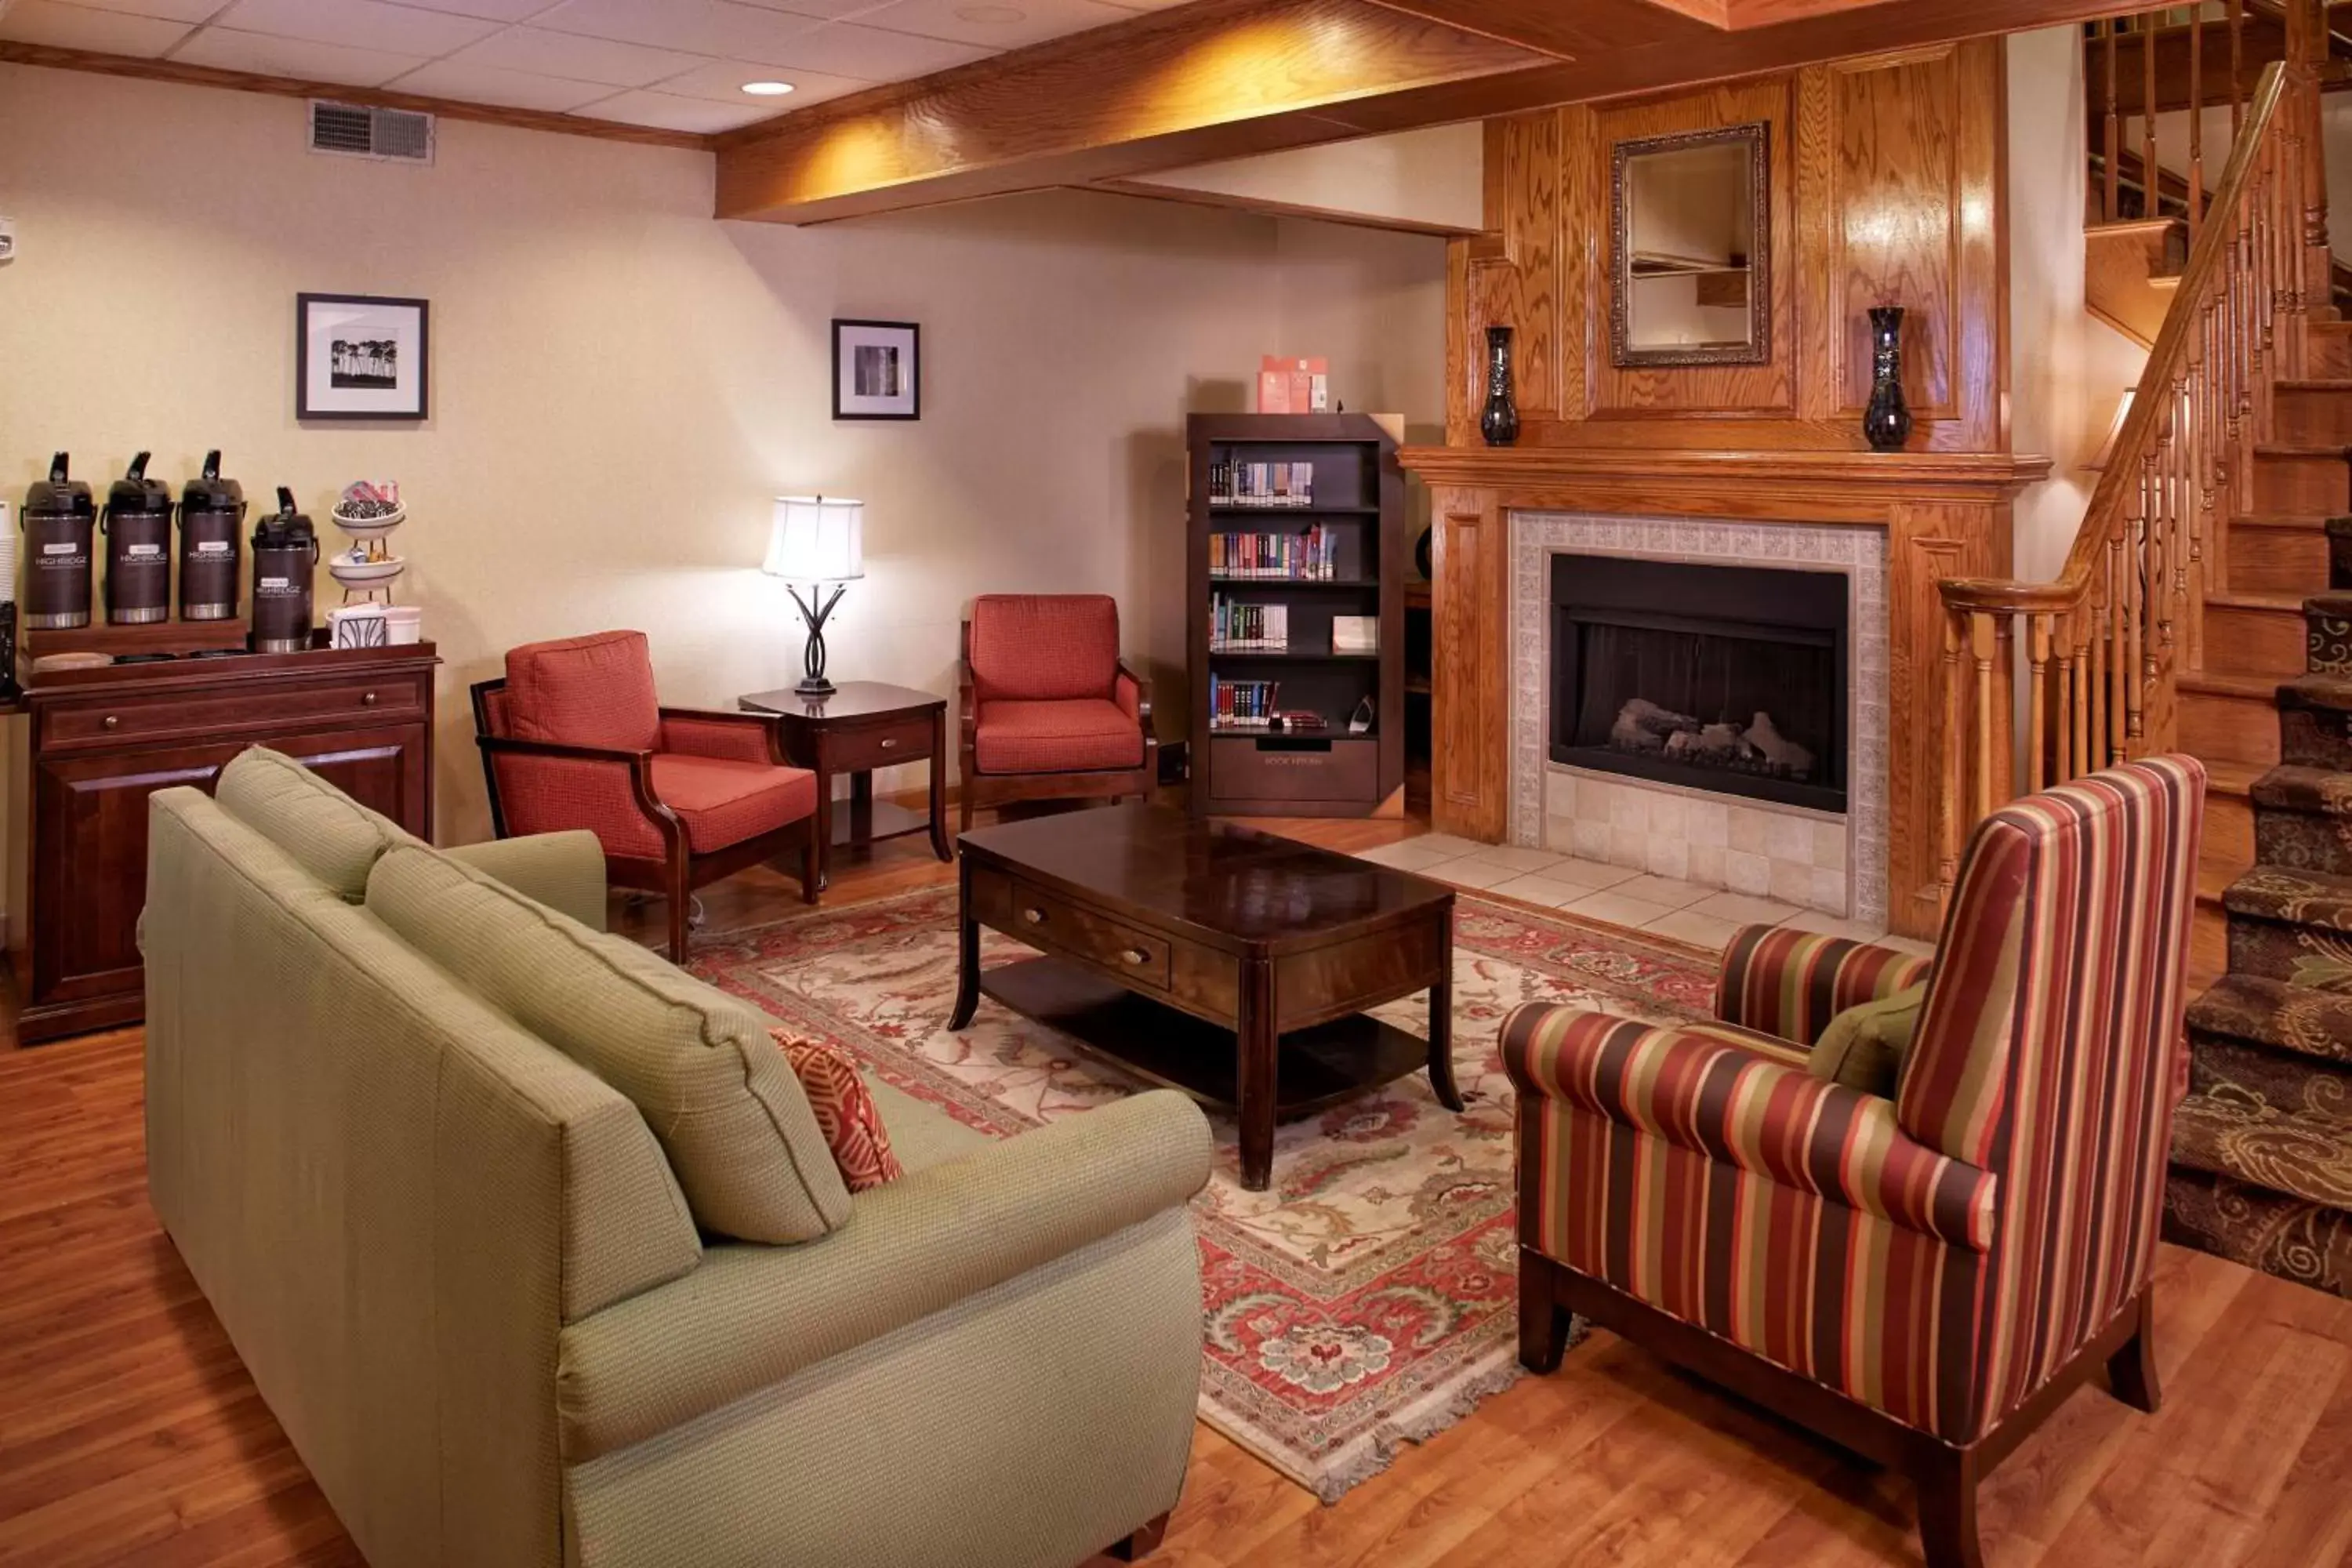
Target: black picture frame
x=848 y=404
x=406 y=398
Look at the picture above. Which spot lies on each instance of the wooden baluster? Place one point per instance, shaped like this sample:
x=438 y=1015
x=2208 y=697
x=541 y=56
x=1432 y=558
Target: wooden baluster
x=1981 y=643
x=2112 y=143
x=2195 y=123
x=2237 y=9
x=2037 y=674
x=2150 y=176
x=2104 y=707
x=2079 y=668
x=1948 y=824
x=2131 y=654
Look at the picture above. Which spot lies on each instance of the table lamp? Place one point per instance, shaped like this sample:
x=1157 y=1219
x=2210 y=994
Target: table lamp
x=816 y=541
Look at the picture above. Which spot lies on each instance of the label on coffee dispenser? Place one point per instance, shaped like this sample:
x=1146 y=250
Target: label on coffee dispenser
x=212 y=547
x=60 y=550
x=279 y=584
x=145 y=550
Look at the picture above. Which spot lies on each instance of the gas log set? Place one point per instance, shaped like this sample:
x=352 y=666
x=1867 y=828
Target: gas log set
x=1754 y=747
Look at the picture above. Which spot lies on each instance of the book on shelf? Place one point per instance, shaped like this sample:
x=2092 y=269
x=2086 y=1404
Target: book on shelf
x=1309 y=557
x=1289 y=385
x=1242 y=704
x=1355 y=634
x=1298 y=720
x=1272 y=486
x=1247 y=628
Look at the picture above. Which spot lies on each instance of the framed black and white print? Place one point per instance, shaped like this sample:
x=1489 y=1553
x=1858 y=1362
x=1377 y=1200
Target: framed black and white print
x=876 y=370
x=358 y=356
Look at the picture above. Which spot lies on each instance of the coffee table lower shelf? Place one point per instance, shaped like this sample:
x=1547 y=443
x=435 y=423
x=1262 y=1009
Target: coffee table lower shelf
x=1317 y=1067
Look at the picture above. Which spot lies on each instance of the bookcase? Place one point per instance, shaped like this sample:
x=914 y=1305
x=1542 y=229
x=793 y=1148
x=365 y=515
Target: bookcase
x=1295 y=538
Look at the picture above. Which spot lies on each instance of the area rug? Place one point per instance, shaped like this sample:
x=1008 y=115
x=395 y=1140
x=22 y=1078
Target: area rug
x=1368 y=1298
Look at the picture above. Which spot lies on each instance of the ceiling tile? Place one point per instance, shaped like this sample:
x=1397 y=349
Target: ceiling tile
x=72 y=27
x=722 y=81
x=705 y=26
x=582 y=59
x=169 y=10
x=993 y=24
x=828 y=10
x=847 y=49
x=304 y=61
x=1147 y=5
x=469 y=83
x=489 y=10
x=670 y=113
x=358 y=23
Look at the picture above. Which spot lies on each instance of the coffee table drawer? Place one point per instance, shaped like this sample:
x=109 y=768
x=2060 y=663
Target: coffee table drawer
x=1044 y=920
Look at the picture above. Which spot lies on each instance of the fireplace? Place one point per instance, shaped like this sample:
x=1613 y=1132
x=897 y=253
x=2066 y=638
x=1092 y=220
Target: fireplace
x=1728 y=678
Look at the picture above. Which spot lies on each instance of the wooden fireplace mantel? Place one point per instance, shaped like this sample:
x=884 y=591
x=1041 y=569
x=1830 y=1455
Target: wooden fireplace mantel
x=1946 y=514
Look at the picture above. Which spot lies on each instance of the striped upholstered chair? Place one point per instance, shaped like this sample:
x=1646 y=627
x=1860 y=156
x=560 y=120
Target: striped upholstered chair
x=1921 y=1277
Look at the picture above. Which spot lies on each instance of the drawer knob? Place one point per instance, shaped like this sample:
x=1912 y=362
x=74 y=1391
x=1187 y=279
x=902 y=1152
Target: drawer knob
x=1034 y=916
x=1136 y=956
x=112 y=722
x=367 y=700
x=888 y=744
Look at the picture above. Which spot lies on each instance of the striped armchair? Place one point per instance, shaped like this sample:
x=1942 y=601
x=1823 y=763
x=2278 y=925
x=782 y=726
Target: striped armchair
x=1921 y=1278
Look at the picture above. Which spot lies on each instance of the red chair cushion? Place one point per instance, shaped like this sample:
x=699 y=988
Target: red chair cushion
x=1043 y=646
x=723 y=802
x=585 y=691
x=1079 y=735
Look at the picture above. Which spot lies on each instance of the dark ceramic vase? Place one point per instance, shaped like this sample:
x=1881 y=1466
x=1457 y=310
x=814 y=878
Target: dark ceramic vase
x=1499 y=422
x=1886 y=423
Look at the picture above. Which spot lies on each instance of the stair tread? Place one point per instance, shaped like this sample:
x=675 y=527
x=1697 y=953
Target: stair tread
x=2315 y=384
x=2302 y=449
x=2315 y=899
x=2285 y=604
x=2301 y=521
x=2215 y=872
x=2226 y=776
x=2221 y=683
x=2298 y=1152
x=2295 y=1020
x=2305 y=692
x=2314 y=792
x=2142 y=226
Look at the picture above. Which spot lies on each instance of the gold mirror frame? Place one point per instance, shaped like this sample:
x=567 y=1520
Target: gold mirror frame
x=1758 y=349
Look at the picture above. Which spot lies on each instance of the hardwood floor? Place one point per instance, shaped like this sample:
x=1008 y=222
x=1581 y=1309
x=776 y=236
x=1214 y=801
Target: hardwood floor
x=130 y=1434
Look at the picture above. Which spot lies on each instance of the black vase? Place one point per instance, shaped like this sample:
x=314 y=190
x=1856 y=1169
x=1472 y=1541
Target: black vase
x=1499 y=422
x=1886 y=423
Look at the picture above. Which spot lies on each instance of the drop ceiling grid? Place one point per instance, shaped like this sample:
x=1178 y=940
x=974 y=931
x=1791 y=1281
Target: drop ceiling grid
x=673 y=64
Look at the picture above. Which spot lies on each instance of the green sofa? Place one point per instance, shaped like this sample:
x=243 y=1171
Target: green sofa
x=486 y=1291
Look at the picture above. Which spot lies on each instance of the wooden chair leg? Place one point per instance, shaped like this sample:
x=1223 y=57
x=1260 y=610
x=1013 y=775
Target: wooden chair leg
x=1543 y=1321
x=963 y=810
x=2131 y=1371
x=1143 y=1543
x=681 y=912
x=809 y=888
x=1946 y=1480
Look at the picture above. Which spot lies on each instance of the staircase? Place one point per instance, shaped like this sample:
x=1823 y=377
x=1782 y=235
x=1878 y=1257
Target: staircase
x=2261 y=1154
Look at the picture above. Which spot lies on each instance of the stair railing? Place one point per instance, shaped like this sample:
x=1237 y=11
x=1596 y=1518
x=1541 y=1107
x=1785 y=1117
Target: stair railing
x=2192 y=36
x=2103 y=646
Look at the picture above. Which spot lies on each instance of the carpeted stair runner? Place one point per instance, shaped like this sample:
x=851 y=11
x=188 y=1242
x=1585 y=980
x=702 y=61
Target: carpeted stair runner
x=2262 y=1149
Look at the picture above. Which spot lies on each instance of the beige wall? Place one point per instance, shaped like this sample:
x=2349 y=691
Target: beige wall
x=620 y=384
x=1433 y=177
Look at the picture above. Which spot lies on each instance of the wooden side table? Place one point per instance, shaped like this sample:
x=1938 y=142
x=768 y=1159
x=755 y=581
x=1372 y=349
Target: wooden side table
x=864 y=725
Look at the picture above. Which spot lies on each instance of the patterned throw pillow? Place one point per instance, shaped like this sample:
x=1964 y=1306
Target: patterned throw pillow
x=844 y=1110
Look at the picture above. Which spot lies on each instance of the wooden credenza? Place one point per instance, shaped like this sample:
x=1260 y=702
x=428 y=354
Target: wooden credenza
x=99 y=742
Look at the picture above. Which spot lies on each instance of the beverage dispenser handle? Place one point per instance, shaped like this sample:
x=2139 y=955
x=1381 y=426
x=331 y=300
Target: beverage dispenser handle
x=285 y=500
x=212 y=464
x=138 y=471
x=58 y=466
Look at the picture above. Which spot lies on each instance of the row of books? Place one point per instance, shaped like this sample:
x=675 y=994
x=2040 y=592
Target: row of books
x=1261 y=484
x=1309 y=557
x=1247 y=628
x=1242 y=704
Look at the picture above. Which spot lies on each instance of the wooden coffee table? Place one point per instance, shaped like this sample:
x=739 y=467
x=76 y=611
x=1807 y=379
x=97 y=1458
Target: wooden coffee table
x=1231 y=964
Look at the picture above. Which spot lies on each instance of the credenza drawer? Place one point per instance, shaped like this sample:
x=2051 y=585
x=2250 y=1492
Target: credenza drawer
x=218 y=711
x=1282 y=768
x=1046 y=919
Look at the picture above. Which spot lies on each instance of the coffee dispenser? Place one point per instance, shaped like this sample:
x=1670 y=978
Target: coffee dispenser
x=212 y=524
x=60 y=525
x=138 y=529
x=285 y=550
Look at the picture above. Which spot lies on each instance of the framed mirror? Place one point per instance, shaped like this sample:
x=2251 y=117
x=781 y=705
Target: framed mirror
x=1691 y=237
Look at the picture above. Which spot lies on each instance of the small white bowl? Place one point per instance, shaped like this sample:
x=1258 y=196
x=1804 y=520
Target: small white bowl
x=370 y=527
x=353 y=574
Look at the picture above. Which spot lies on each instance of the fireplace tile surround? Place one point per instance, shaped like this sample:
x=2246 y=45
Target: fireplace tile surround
x=1834 y=863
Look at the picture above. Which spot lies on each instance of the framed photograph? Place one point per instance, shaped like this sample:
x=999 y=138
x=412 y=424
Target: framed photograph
x=876 y=370
x=357 y=356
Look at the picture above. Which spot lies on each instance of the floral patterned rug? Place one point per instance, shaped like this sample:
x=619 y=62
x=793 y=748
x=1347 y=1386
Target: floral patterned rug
x=1368 y=1296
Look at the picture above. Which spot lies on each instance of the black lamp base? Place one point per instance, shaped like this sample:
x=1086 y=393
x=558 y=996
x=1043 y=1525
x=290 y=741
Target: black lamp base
x=816 y=686
x=813 y=683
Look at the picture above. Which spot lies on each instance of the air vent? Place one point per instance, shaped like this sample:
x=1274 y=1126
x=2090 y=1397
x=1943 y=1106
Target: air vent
x=357 y=131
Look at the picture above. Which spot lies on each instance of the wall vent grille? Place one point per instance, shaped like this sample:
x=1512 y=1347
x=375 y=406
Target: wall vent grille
x=355 y=131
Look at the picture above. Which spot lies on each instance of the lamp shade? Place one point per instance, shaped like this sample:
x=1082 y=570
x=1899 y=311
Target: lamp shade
x=816 y=538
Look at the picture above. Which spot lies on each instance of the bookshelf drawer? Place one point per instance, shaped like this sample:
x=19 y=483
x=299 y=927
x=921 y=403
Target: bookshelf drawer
x=1252 y=768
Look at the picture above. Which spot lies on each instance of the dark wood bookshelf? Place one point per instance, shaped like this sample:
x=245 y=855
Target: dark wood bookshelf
x=1359 y=492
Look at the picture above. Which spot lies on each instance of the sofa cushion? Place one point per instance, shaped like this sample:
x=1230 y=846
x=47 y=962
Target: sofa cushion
x=323 y=830
x=585 y=691
x=1043 y=645
x=723 y=802
x=698 y=1064
x=1073 y=735
x=1864 y=1046
x=844 y=1110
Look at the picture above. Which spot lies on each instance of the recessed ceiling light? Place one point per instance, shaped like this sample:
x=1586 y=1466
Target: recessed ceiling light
x=767 y=89
x=991 y=14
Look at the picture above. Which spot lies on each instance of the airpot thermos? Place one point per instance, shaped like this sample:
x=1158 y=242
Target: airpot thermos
x=138 y=528
x=60 y=523
x=285 y=548
x=212 y=525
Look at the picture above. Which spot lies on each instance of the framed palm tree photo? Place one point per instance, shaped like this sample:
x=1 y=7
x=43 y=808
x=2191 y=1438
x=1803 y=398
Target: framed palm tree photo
x=359 y=356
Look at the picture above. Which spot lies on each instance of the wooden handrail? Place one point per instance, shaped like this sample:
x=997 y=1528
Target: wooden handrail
x=2046 y=681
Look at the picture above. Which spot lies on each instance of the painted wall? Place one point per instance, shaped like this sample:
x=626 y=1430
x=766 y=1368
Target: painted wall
x=1432 y=177
x=620 y=384
x=2067 y=371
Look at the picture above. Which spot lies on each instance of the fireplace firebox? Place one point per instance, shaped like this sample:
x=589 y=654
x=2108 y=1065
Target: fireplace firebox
x=1730 y=679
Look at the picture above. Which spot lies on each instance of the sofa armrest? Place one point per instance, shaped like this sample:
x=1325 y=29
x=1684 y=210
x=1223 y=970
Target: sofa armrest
x=1792 y=982
x=1131 y=689
x=735 y=737
x=750 y=1316
x=1703 y=1093
x=564 y=871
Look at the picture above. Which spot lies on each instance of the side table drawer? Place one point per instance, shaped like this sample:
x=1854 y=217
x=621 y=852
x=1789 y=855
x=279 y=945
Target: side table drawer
x=1044 y=920
x=877 y=746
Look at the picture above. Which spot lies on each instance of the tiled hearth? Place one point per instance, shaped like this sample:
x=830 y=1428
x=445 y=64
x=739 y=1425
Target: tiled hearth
x=1832 y=863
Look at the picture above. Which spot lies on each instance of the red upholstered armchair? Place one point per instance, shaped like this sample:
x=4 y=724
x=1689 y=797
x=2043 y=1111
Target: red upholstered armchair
x=574 y=737
x=1046 y=709
x=1924 y=1276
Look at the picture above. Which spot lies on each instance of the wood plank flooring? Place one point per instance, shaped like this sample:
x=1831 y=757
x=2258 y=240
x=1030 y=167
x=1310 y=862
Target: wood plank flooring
x=130 y=1434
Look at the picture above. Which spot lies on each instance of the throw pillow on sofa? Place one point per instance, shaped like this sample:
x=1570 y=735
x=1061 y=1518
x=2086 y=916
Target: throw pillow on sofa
x=328 y=834
x=698 y=1065
x=1863 y=1047
x=844 y=1108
